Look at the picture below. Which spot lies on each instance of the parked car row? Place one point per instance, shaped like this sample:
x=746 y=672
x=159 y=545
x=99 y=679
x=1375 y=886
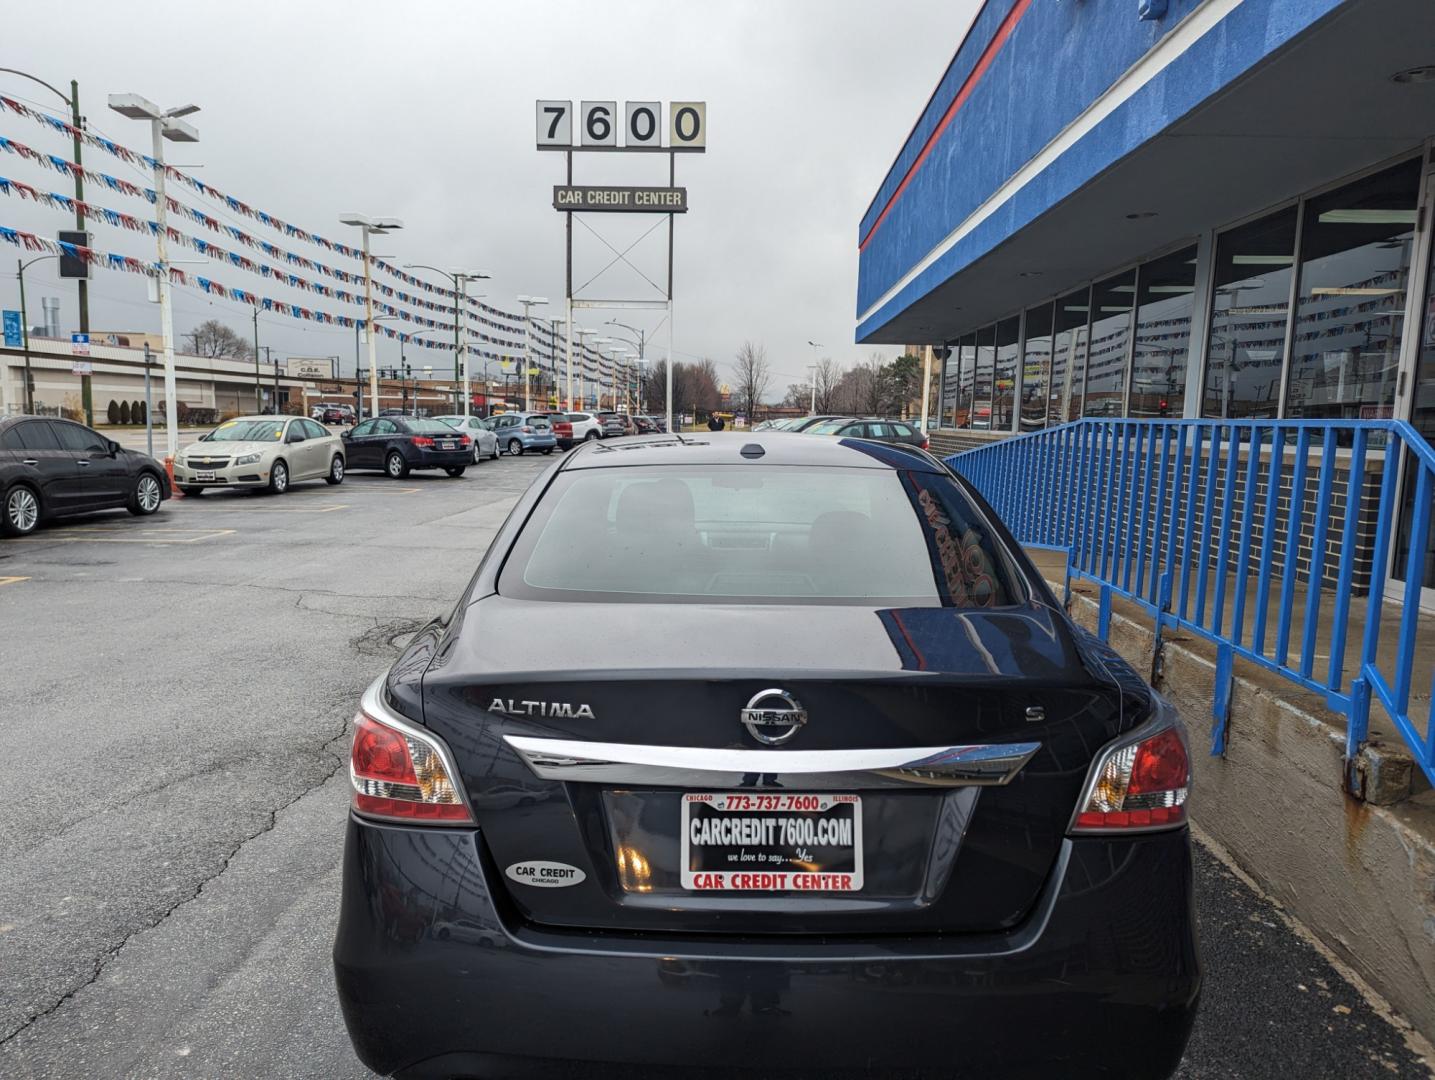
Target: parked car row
x=50 y=468
x=882 y=429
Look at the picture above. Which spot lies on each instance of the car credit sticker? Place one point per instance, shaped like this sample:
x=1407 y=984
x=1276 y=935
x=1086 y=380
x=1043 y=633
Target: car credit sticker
x=545 y=875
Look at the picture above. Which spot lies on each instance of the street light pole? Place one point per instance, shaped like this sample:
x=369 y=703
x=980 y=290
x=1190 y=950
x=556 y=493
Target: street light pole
x=459 y=279
x=366 y=227
x=812 y=367
x=258 y=385
x=164 y=124
x=529 y=302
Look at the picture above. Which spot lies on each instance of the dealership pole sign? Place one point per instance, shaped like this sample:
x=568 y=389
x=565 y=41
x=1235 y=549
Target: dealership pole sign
x=638 y=127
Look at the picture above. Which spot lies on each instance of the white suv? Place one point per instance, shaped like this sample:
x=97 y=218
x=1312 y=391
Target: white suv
x=586 y=427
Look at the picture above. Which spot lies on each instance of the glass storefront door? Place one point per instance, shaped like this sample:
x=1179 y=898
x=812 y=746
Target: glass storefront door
x=1421 y=415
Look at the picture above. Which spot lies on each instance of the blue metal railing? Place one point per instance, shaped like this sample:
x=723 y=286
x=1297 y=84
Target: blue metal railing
x=1236 y=531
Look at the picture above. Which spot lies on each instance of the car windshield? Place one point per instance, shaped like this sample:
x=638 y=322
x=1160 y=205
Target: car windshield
x=428 y=427
x=827 y=427
x=788 y=534
x=247 y=431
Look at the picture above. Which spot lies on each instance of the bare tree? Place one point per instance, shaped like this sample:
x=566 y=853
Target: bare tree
x=212 y=338
x=826 y=375
x=873 y=394
x=751 y=377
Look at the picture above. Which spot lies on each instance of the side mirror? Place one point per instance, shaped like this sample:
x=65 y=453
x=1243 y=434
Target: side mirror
x=346 y=433
x=114 y=447
x=294 y=437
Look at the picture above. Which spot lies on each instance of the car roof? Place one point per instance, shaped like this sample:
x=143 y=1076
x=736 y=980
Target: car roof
x=726 y=448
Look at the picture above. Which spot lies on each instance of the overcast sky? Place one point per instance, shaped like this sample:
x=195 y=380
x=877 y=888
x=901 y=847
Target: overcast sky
x=425 y=112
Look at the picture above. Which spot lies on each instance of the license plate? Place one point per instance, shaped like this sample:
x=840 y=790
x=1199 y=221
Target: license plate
x=204 y=474
x=750 y=841
x=448 y=446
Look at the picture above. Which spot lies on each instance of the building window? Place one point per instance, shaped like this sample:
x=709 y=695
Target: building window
x=1355 y=249
x=1004 y=389
x=1036 y=368
x=1164 y=297
x=982 y=383
x=1249 y=311
x=1069 y=355
x=966 y=355
x=1111 y=303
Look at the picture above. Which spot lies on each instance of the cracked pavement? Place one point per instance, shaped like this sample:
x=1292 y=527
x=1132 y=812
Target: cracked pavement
x=168 y=702
x=176 y=720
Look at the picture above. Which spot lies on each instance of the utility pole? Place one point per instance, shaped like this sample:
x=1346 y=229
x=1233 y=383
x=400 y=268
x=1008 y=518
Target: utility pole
x=812 y=367
x=148 y=404
x=86 y=389
x=77 y=124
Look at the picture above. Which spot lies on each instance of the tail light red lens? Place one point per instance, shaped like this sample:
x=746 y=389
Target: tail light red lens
x=464 y=440
x=1140 y=784
x=926 y=442
x=400 y=773
x=422 y=440
x=526 y=430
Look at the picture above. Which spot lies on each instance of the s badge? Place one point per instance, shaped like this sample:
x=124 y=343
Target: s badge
x=545 y=875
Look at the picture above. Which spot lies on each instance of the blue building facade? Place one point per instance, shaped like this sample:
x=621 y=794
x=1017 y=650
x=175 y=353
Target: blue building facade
x=1168 y=208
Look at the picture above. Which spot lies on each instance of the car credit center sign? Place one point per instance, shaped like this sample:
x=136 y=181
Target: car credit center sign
x=628 y=200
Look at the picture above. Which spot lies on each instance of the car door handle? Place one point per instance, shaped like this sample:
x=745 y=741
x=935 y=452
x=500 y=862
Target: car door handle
x=83 y=463
x=29 y=461
x=981 y=764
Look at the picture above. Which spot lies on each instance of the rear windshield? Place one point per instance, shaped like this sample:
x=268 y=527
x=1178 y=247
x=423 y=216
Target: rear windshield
x=745 y=533
x=429 y=427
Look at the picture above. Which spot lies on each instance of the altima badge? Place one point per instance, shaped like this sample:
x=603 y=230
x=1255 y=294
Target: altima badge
x=773 y=716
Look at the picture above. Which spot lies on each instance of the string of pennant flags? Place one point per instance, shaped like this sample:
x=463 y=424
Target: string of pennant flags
x=127 y=264
x=118 y=218
x=229 y=202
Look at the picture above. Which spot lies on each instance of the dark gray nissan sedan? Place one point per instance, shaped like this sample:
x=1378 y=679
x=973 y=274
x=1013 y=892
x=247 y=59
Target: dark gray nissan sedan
x=784 y=759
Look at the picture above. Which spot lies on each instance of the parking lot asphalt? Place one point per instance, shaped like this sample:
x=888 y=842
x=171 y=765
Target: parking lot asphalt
x=176 y=698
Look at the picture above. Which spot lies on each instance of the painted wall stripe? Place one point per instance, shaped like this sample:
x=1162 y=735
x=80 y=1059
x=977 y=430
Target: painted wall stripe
x=984 y=61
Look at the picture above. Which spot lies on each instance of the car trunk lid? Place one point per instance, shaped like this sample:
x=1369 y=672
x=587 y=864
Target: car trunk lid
x=977 y=727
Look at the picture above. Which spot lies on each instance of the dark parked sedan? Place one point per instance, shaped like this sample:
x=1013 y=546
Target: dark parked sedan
x=398 y=444
x=50 y=468
x=838 y=786
x=892 y=431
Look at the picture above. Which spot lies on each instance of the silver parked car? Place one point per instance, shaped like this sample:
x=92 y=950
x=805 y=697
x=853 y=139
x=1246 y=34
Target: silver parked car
x=485 y=442
x=267 y=452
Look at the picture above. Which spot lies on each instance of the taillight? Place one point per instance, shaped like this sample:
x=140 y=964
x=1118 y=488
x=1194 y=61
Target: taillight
x=926 y=442
x=526 y=430
x=399 y=772
x=463 y=440
x=1140 y=783
x=422 y=440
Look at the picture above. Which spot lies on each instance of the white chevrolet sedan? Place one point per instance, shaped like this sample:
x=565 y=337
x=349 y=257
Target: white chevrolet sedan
x=485 y=442
x=269 y=452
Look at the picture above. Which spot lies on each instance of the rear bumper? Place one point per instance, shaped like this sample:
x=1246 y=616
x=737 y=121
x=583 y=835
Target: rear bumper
x=420 y=458
x=437 y=975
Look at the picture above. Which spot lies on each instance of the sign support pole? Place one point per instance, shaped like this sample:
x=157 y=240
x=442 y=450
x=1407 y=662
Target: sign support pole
x=672 y=224
x=568 y=288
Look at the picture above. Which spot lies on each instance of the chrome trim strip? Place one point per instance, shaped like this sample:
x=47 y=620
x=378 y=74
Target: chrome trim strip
x=982 y=765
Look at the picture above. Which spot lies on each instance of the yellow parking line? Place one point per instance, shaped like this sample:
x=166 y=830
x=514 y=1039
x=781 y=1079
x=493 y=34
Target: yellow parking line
x=268 y=509
x=135 y=536
x=12 y=580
